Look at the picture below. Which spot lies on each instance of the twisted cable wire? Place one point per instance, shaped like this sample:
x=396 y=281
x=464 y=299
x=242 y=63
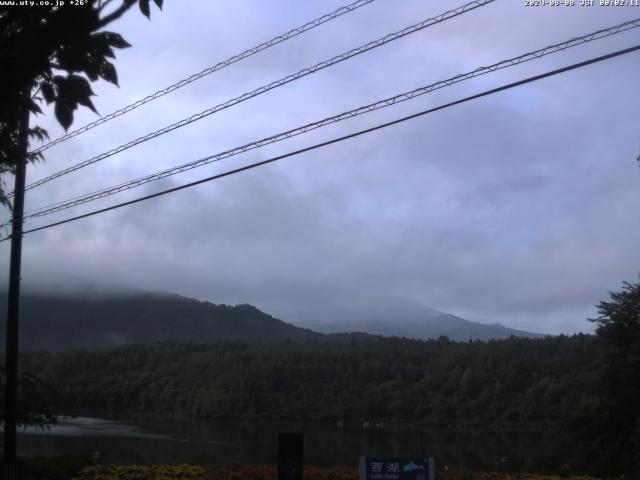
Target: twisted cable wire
x=334 y=119
x=336 y=140
x=265 y=88
x=209 y=70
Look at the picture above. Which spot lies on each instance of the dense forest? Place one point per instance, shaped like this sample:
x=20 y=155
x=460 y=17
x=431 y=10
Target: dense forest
x=516 y=382
x=550 y=384
x=585 y=386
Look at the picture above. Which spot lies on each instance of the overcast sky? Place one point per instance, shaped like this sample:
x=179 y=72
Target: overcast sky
x=519 y=208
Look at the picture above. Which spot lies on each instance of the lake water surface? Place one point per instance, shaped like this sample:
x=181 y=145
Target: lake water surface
x=224 y=443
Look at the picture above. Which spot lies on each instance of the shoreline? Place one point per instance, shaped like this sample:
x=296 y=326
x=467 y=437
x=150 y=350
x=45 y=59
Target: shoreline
x=373 y=424
x=83 y=469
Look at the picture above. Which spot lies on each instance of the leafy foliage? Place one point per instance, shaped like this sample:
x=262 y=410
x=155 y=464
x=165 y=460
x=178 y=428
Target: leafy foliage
x=270 y=472
x=546 y=384
x=50 y=468
x=617 y=418
x=516 y=382
x=37 y=400
x=55 y=53
x=125 y=472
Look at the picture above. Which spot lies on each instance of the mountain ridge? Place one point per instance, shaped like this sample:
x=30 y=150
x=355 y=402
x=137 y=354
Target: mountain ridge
x=393 y=316
x=58 y=322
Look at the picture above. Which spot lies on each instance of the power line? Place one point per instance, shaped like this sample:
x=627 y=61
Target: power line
x=59 y=206
x=265 y=88
x=340 y=139
x=209 y=70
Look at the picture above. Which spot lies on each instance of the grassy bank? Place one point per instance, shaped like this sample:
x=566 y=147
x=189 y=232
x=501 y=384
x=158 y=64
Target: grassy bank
x=256 y=472
x=244 y=472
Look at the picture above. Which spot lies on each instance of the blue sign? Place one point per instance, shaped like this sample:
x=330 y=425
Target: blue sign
x=393 y=468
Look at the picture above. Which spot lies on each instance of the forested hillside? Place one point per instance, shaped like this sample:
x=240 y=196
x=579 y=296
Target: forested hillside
x=523 y=382
x=61 y=322
x=553 y=384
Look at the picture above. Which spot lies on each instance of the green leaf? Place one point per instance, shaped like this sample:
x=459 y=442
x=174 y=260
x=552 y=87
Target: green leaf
x=144 y=8
x=115 y=40
x=158 y=3
x=73 y=57
x=39 y=133
x=48 y=92
x=99 y=46
x=80 y=90
x=108 y=72
x=59 y=80
x=64 y=114
x=86 y=101
x=72 y=90
x=93 y=68
x=34 y=108
x=79 y=85
x=33 y=157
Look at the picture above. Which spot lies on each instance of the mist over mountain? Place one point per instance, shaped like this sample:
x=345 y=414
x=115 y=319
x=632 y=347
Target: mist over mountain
x=97 y=319
x=431 y=324
x=65 y=321
x=390 y=316
x=429 y=327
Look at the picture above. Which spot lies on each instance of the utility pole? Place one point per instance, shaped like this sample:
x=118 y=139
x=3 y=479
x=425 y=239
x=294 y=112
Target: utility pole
x=13 y=303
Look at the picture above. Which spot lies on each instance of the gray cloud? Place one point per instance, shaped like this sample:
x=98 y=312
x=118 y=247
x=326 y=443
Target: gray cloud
x=517 y=208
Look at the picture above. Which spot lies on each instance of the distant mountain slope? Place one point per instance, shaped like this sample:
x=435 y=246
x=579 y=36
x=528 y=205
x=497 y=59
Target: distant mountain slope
x=62 y=322
x=59 y=322
x=413 y=321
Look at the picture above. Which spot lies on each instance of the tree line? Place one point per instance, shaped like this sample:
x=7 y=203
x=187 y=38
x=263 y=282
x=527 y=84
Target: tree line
x=583 y=385
x=532 y=383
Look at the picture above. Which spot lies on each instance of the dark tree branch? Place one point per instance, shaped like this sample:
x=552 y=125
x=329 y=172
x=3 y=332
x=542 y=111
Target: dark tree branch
x=102 y=5
x=117 y=13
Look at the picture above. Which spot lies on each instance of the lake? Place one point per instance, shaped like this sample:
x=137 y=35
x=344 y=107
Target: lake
x=206 y=442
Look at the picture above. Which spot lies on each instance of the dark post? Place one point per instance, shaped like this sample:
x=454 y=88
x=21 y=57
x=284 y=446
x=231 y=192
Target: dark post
x=290 y=464
x=13 y=308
